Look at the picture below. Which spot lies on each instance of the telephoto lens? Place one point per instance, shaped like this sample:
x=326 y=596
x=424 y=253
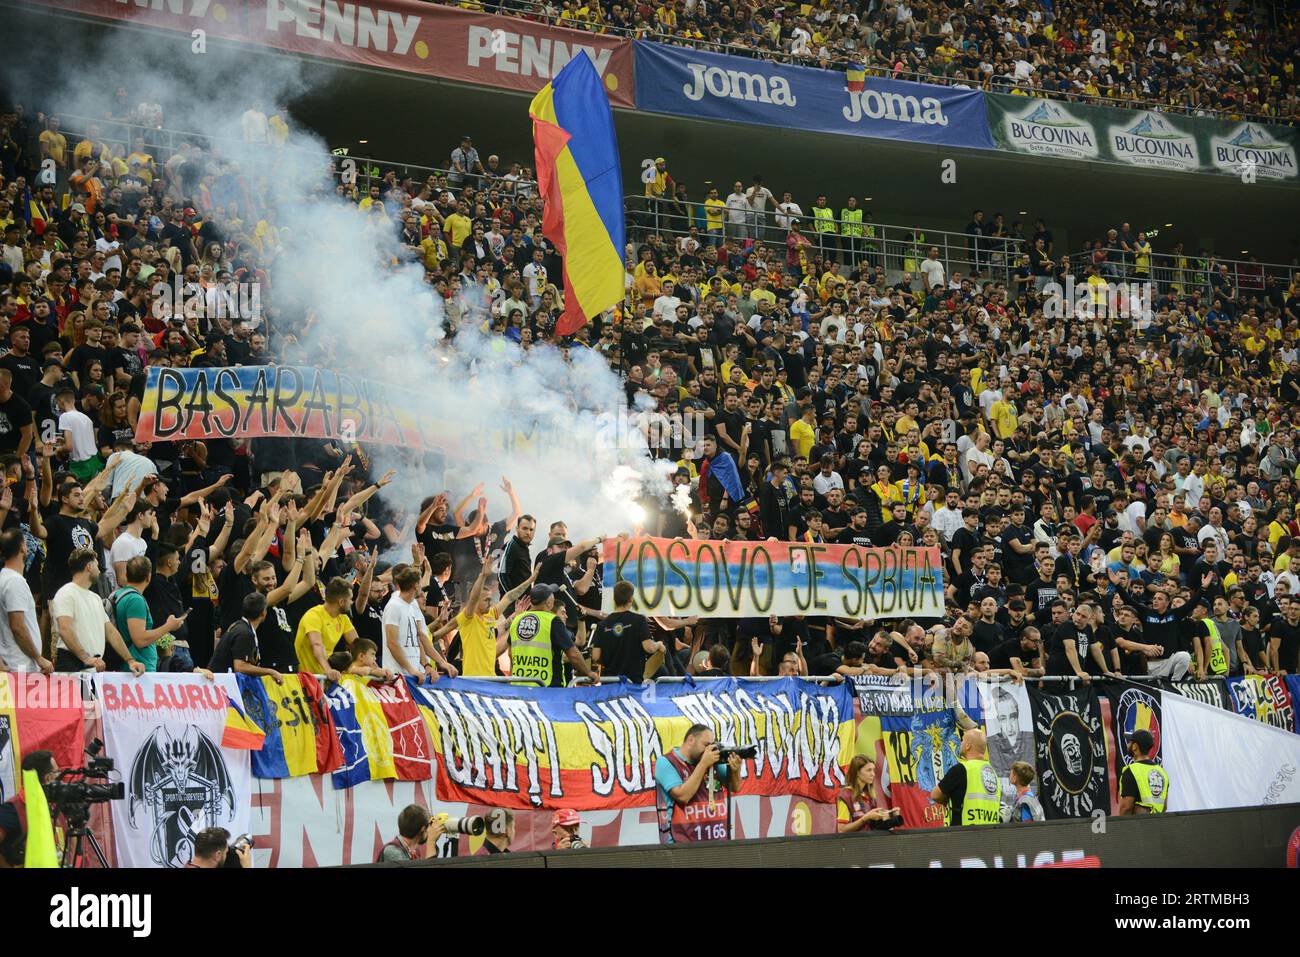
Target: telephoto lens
x=470 y=824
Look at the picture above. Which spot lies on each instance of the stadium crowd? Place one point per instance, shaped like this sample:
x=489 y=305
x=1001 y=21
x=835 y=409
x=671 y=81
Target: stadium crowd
x=1229 y=59
x=1108 y=495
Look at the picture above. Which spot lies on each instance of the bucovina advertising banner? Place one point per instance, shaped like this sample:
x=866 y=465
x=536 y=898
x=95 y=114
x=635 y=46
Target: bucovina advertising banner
x=413 y=37
x=1141 y=138
x=672 y=576
x=589 y=748
x=681 y=81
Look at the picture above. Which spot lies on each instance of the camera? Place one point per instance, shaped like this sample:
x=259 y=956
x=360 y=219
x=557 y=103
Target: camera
x=469 y=824
x=74 y=796
x=232 y=852
x=746 y=753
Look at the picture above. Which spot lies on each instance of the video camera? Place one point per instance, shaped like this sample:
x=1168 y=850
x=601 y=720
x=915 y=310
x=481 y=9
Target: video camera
x=74 y=797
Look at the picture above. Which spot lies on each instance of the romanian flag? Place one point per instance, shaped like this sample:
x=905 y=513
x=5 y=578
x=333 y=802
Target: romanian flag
x=240 y=732
x=581 y=184
x=855 y=77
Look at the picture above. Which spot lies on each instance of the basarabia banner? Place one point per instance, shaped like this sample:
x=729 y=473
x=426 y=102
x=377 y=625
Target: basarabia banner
x=681 y=81
x=596 y=748
x=165 y=732
x=1140 y=138
x=440 y=41
x=755 y=579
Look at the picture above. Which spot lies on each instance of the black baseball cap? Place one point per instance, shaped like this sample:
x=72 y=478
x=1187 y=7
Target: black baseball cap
x=539 y=593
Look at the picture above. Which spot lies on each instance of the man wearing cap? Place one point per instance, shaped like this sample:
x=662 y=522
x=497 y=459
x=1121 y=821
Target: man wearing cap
x=564 y=830
x=1143 y=784
x=661 y=185
x=538 y=637
x=464 y=160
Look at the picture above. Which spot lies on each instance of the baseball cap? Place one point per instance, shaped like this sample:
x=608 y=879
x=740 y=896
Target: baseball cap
x=566 y=817
x=78 y=208
x=539 y=593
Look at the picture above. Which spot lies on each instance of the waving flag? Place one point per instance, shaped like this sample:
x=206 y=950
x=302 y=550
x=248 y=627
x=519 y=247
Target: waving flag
x=240 y=731
x=580 y=182
x=855 y=77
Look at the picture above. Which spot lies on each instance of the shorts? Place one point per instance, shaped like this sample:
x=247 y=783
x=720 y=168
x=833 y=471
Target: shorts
x=87 y=469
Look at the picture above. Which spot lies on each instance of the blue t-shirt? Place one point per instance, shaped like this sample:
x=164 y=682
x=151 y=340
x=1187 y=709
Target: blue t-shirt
x=667 y=777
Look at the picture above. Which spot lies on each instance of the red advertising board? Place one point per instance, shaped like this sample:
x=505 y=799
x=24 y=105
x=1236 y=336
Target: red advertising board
x=405 y=35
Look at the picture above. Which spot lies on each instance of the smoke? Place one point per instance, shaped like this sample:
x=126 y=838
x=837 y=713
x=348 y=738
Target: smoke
x=551 y=424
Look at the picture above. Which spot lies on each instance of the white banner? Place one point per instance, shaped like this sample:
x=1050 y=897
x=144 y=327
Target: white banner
x=164 y=731
x=1217 y=759
x=1009 y=724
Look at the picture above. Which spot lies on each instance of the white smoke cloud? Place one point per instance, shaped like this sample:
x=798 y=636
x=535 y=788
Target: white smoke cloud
x=371 y=316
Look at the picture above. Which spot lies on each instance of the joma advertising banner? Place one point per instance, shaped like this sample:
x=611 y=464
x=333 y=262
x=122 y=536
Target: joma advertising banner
x=1141 y=138
x=442 y=41
x=756 y=579
x=593 y=748
x=681 y=81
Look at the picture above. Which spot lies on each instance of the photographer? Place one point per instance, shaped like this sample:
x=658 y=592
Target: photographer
x=212 y=849
x=564 y=830
x=687 y=796
x=417 y=837
x=500 y=832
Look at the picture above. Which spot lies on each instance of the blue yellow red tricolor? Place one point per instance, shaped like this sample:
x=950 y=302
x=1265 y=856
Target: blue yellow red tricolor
x=580 y=182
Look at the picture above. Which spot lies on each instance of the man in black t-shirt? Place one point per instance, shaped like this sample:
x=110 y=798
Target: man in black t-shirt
x=66 y=531
x=239 y=649
x=1284 y=638
x=15 y=417
x=623 y=642
x=20 y=362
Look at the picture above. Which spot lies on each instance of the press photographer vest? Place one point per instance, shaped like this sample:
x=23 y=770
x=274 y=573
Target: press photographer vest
x=1152 y=784
x=531 y=653
x=1218 y=663
x=983 y=801
x=702 y=818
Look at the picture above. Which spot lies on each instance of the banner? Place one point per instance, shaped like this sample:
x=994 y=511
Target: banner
x=1139 y=138
x=1219 y=759
x=1008 y=724
x=1134 y=709
x=300 y=734
x=1264 y=698
x=1293 y=688
x=164 y=733
x=505 y=53
x=681 y=81
x=913 y=753
x=1070 y=745
x=39 y=713
x=756 y=579
x=596 y=747
x=1211 y=691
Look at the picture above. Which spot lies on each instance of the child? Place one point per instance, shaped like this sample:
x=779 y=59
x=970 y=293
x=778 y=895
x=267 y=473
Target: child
x=360 y=660
x=1026 y=807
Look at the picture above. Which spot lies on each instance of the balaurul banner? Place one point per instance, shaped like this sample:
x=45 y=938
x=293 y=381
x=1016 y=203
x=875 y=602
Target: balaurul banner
x=673 y=576
x=501 y=52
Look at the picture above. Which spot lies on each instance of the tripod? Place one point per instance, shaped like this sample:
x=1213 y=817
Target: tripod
x=80 y=836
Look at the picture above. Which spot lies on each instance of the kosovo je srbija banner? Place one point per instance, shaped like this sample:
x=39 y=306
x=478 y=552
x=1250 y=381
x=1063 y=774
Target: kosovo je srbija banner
x=596 y=748
x=164 y=732
x=755 y=579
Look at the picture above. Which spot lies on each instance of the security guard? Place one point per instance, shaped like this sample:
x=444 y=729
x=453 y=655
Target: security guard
x=971 y=788
x=851 y=230
x=1143 y=785
x=537 y=637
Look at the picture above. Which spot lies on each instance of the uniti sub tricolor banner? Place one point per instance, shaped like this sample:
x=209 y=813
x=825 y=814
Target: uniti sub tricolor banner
x=589 y=748
x=755 y=579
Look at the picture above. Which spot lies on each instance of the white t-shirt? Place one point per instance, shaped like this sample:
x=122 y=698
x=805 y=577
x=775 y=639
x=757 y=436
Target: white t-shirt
x=86 y=609
x=16 y=596
x=408 y=618
x=82 y=430
x=127 y=547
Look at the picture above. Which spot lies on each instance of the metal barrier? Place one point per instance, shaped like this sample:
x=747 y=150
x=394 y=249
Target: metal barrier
x=682 y=679
x=896 y=248
x=1186 y=274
